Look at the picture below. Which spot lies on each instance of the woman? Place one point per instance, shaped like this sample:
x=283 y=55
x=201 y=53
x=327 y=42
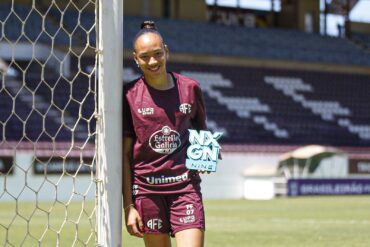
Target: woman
x=161 y=196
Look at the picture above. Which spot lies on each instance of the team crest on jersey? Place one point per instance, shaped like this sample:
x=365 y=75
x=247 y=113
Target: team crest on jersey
x=165 y=140
x=146 y=111
x=154 y=224
x=185 y=108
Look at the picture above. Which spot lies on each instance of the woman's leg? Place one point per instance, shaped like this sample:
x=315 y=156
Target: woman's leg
x=157 y=240
x=190 y=238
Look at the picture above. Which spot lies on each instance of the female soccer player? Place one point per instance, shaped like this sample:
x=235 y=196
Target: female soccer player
x=162 y=197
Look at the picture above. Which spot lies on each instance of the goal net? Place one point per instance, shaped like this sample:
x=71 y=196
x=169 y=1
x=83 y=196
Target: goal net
x=54 y=176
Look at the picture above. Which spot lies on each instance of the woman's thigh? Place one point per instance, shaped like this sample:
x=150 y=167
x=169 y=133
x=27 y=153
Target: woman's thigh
x=157 y=240
x=190 y=238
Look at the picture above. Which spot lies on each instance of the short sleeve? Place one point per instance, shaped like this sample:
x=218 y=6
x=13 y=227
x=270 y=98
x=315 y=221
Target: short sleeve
x=127 y=125
x=199 y=120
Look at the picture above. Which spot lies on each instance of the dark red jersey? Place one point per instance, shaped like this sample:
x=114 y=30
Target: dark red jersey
x=159 y=120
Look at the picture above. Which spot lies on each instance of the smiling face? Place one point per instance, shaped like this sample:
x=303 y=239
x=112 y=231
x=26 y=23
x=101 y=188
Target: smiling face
x=151 y=55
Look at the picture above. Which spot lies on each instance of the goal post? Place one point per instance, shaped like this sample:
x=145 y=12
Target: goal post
x=109 y=157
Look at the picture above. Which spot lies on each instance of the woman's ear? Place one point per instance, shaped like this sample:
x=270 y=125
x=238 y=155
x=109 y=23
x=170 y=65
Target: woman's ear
x=135 y=58
x=167 y=51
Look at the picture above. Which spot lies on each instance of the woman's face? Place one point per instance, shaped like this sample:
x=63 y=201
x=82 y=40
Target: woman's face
x=151 y=55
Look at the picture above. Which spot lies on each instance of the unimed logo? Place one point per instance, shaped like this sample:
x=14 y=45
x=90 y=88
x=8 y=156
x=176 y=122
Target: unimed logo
x=154 y=224
x=167 y=180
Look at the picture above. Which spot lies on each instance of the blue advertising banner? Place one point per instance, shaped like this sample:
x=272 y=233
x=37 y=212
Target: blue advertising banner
x=307 y=187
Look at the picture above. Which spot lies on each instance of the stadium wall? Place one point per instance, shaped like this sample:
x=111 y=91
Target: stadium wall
x=55 y=184
x=235 y=168
x=226 y=183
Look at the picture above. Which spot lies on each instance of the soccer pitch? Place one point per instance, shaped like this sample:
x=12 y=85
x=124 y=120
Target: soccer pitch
x=306 y=222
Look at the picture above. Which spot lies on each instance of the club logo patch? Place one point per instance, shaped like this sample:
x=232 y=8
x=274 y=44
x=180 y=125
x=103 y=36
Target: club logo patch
x=185 y=108
x=165 y=141
x=154 y=224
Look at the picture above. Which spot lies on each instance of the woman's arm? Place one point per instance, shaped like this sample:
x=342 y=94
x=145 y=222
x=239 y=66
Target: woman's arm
x=133 y=220
x=126 y=183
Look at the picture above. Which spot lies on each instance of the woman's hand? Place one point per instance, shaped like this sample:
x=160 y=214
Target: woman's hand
x=134 y=224
x=203 y=172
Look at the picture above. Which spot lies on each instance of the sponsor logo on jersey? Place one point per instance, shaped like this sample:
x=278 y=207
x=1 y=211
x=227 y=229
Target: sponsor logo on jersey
x=187 y=219
x=167 y=180
x=185 y=108
x=165 y=141
x=146 y=111
x=190 y=218
x=135 y=189
x=154 y=224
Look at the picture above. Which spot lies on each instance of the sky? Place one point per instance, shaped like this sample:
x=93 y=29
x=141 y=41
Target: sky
x=360 y=13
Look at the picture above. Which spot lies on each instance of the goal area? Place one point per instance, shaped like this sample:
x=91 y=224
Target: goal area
x=60 y=122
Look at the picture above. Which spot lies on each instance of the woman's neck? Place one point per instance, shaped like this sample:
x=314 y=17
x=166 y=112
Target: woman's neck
x=162 y=82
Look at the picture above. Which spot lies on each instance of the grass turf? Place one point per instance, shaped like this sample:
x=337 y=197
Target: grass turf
x=304 y=222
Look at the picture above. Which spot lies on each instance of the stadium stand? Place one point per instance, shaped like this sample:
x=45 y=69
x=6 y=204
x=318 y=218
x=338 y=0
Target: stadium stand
x=188 y=36
x=11 y=26
x=280 y=106
x=42 y=25
x=58 y=120
x=362 y=39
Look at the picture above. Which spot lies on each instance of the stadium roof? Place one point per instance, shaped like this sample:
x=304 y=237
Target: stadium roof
x=339 y=7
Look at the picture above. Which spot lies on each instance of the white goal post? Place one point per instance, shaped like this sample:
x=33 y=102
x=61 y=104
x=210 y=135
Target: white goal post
x=60 y=122
x=109 y=173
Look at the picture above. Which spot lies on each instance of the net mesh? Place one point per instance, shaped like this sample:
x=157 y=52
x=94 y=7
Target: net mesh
x=47 y=123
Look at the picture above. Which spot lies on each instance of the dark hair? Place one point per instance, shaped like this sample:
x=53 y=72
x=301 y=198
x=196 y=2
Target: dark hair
x=147 y=27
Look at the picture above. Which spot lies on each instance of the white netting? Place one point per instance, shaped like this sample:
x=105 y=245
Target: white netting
x=47 y=122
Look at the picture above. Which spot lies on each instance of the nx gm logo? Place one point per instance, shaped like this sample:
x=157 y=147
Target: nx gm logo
x=203 y=153
x=185 y=108
x=154 y=224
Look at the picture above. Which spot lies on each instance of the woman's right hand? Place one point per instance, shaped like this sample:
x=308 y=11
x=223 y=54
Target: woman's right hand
x=134 y=223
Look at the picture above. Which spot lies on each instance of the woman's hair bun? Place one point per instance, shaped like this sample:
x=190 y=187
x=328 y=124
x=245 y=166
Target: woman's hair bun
x=148 y=25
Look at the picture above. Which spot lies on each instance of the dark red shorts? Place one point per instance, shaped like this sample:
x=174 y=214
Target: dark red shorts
x=171 y=213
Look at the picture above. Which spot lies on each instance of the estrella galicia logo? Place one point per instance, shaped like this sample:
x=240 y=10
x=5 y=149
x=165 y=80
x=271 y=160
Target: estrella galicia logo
x=204 y=150
x=165 y=140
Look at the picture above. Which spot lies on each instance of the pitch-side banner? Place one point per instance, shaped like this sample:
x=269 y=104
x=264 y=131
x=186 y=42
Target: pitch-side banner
x=307 y=187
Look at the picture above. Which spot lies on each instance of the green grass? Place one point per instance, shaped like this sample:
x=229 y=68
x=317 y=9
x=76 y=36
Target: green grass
x=298 y=222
